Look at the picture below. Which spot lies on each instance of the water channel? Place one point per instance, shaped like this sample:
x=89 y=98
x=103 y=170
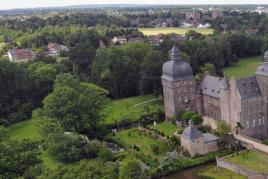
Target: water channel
x=191 y=173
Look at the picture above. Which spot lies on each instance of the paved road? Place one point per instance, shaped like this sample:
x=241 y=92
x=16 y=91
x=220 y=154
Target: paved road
x=257 y=145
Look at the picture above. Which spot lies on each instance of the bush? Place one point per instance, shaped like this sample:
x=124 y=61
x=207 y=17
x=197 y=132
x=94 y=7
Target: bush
x=222 y=128
x=265 y=141
x=155 y=148
x=197 y=119
x=174 y=140
x=179 y=131
x=187 y=116
x=205 y=128
x=71 y=147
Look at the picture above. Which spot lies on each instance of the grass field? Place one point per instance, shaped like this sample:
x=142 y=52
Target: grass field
x=168 y=30
x=24 y=130
x=168 y=128
x=244 y=68
x=2 y=44
x=219 y=173
x=253 y=160
x=28 y=130
x=133 y=136
x=130 y=108
x=48 y=161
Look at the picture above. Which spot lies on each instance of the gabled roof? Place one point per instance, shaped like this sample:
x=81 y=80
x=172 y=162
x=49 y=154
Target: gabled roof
x=208 y=137
x=211 y=86
x=21 y=54
x=248 y=87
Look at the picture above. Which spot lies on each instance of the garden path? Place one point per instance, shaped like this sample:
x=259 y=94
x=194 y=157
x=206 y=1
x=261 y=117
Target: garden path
x=145 y=102
x=257 y=145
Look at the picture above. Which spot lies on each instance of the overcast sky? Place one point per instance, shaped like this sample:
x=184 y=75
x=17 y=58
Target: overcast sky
x=11 y=4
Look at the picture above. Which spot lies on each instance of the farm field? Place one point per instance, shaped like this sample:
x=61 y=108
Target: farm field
x=219 y=173
x=244 y=68
x=28 y=130
x=167 y=128
x=168 y=30
x=251 y=159
x=131 y=108
x=133 y=136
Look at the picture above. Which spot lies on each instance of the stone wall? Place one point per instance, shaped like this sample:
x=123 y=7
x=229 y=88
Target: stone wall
x=179 y=96
x=221 y=162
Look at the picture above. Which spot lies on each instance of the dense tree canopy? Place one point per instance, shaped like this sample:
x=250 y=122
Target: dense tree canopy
x=84 y=170
x=18 y=159
x=77 y=106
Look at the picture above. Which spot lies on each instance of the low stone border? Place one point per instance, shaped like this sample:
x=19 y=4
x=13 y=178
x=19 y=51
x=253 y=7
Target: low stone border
x=251 y=174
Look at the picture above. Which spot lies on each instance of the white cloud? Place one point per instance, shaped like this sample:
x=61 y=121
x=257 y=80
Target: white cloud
x=10 y=4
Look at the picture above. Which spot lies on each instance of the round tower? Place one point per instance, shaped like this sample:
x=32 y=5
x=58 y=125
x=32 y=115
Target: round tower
x=179 y=85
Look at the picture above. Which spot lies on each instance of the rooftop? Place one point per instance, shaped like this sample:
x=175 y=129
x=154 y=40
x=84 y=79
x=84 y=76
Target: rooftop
x=248 y=87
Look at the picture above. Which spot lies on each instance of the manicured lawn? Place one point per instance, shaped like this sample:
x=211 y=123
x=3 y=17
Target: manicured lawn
x=2 y=44
x=167 y=30
x=133 y=137
x=130 y=108
x=168 y=128
x=220 y=173
x=24 y=130
x=253 y=160
x=49 y=161
x=28 y=130
x=244 y=68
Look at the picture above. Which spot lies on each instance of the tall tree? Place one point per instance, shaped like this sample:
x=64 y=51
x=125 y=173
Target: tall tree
x=77 y=106
x=151 y=73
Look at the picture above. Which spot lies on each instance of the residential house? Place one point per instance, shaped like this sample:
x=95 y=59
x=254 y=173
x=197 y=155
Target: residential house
x=20 y=55
x=119 y=40
x=54 y=49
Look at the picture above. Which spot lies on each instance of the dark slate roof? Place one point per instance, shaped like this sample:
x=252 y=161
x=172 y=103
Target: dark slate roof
x=248 y=87
x=209 y=137
x=176 y=68
x=191 y=132
x=211 y=86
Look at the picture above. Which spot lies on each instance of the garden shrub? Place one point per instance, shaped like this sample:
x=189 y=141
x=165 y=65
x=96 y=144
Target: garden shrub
x=197 y=119
x=155 y=148
x=265 y=141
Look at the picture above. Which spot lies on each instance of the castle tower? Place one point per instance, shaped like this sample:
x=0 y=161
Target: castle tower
x=179 y=85
x=225 y=100
x=262 y=79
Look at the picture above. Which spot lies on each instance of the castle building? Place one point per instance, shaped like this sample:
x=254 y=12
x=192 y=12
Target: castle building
x=197 y=143
x=242 y=103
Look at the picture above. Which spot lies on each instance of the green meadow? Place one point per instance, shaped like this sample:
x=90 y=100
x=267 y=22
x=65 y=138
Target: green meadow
x=244 y=68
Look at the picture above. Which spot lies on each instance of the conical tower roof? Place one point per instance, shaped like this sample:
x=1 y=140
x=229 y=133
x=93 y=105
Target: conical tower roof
x=191 y=132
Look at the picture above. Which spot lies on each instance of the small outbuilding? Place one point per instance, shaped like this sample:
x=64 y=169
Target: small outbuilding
x=198 y=143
